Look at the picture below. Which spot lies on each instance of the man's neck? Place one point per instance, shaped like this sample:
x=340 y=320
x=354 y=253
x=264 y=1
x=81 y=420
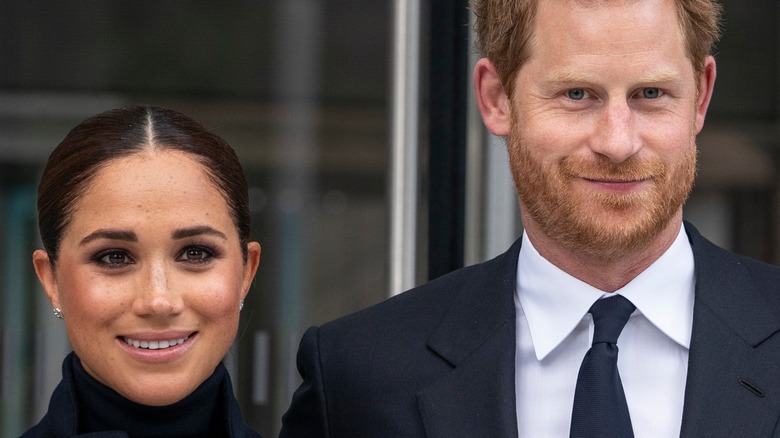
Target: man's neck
x=606 y=275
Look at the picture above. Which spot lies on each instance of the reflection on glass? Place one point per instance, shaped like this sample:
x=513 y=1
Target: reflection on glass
x=298 y=87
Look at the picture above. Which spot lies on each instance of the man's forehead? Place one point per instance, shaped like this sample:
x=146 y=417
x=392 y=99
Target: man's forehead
x=598 y=3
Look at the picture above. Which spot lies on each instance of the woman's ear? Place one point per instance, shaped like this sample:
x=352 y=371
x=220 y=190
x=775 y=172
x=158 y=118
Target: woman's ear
x=45 y=272
x=492 y=100
x=253 y=251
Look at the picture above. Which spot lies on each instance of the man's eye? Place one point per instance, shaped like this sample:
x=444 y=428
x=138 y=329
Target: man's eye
x=576 y=94
x=651 y=93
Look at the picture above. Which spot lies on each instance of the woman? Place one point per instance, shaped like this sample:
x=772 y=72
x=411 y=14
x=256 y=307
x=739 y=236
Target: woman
x=144 y=218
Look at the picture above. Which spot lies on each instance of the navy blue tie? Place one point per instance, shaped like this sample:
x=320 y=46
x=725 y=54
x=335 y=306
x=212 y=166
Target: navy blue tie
x=600 y=408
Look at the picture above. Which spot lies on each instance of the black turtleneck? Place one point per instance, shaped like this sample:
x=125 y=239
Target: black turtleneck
x=102 y=409
x=82 y=406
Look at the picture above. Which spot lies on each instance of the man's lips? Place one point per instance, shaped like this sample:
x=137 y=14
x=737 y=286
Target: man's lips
x=619 y=185
x=616 y=180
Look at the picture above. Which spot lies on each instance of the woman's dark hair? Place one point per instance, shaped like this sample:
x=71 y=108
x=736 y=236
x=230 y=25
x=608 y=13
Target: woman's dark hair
x=121 y=132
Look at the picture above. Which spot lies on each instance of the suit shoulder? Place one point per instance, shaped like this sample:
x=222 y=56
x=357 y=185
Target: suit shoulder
x=427 y=300
x=721 y=267
x=723 y=258
x=419 y=310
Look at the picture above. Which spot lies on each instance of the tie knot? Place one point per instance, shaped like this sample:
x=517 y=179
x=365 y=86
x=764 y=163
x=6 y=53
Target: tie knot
x=609 y=317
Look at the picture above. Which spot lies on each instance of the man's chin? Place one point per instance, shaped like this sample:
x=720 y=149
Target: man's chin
x=609 y=237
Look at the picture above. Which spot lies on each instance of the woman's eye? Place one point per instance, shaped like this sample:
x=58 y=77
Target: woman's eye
x=651 y=93
x=576 y=94
x=114 y=259
x=195 y=254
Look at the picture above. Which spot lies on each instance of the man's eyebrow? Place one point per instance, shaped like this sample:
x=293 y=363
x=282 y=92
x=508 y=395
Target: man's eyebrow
x=183 y=233
x=125 y=235
x=567 y=76
x=659 y=76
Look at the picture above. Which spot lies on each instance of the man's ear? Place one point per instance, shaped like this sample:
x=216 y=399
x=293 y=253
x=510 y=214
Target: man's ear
x=493 y=101
x=706 y=84
x=45 y=272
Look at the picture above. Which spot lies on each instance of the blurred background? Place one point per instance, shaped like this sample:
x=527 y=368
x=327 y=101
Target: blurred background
x=369 y=169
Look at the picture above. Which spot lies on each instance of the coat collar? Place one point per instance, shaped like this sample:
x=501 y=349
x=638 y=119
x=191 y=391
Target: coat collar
x=725 y=285
x=733 y=385
x=476 y=337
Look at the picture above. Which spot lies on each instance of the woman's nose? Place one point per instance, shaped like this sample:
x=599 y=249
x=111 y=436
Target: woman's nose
x=156 y=294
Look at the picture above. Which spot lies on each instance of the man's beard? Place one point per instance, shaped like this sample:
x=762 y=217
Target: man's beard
x=601 y=226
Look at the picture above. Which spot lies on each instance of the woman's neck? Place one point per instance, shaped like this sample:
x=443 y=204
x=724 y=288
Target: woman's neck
x=100 y=408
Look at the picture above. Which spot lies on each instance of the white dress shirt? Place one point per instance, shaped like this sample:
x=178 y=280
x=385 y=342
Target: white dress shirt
x=554 y=330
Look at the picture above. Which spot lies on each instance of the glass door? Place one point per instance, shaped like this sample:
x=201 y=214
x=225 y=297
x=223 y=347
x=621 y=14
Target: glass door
x=300 y=88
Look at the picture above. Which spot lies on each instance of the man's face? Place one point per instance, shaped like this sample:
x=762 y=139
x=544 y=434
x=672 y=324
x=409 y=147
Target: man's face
x=604 y=119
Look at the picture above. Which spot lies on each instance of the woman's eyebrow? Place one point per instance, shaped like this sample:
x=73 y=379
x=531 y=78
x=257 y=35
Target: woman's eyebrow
x=125 y=235
x=183 y=233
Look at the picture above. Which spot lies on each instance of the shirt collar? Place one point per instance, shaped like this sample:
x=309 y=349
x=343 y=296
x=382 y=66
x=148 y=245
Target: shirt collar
x=554 y=302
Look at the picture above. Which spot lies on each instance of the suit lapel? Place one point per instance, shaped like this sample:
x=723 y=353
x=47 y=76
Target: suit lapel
x=476 y=337
x=733 y=385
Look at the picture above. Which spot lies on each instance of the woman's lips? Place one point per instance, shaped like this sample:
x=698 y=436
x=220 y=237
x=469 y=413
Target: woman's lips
x=157 y=348
x=154 y=345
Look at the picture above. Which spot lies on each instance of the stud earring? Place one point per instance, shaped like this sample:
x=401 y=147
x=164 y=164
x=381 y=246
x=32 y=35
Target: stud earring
x=57 y=312
x=240 y=305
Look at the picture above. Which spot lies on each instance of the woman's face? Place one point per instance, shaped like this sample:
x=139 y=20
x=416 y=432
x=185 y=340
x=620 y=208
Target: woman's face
x=149 y=276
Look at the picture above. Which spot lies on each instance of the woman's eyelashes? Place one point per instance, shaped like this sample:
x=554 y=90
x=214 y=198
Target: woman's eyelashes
x=193 y=254
x=197 y=254
x=113 y=258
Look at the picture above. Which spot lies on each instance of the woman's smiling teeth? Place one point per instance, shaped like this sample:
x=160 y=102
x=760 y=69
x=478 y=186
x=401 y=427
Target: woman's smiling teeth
x=154 y=345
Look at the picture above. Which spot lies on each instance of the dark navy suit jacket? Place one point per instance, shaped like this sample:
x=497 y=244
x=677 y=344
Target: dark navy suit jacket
x=439 y=360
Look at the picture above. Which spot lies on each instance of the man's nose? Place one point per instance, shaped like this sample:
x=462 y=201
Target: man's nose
x=615 y=135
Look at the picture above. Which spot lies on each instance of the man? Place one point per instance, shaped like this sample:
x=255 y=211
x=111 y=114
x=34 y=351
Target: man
x=600 y=102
